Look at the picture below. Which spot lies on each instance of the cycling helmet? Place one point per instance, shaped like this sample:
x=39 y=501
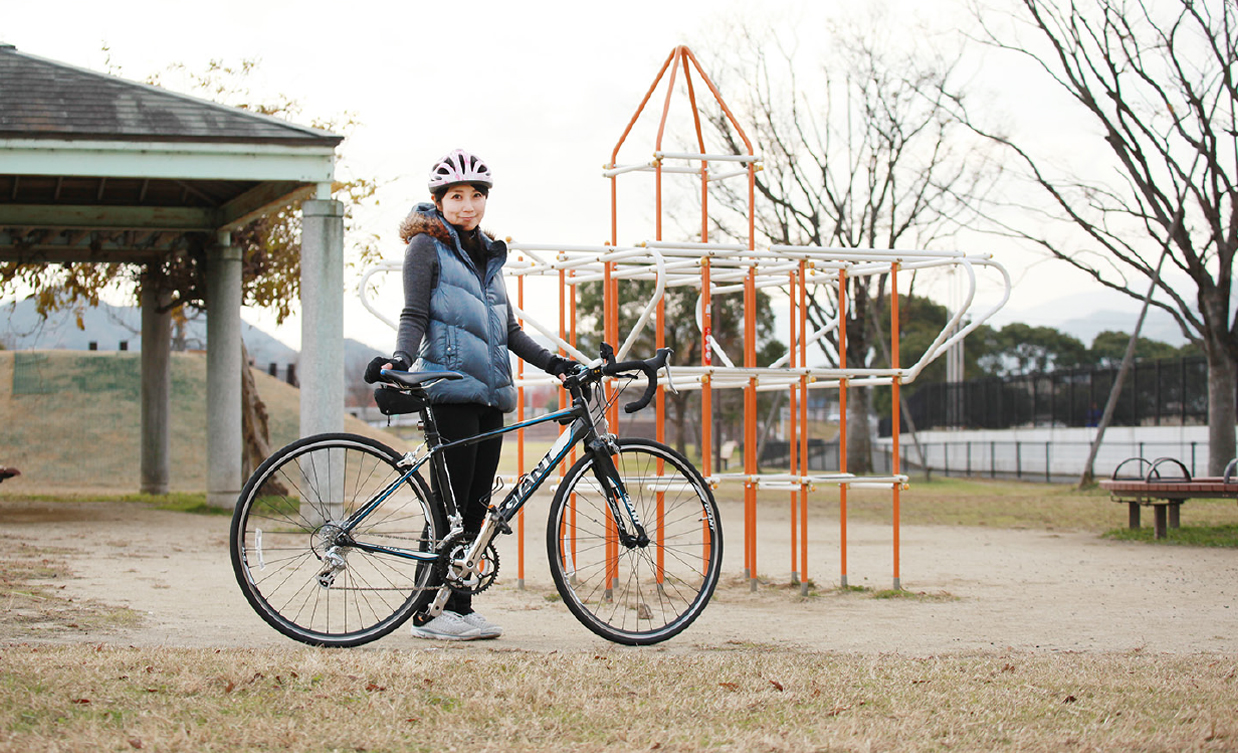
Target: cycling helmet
x=459 y=167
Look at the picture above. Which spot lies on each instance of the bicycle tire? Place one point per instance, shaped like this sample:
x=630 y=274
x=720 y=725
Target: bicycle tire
x=638 y=595
x=279 y=541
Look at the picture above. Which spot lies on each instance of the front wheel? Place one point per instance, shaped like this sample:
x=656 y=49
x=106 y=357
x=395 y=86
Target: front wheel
x=632 y=593
x=303 y=569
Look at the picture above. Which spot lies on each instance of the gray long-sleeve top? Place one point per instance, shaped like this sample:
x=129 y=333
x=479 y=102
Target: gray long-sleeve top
x=420 y=278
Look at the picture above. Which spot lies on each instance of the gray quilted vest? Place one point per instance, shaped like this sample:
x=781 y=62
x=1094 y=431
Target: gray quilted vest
x=467 y=331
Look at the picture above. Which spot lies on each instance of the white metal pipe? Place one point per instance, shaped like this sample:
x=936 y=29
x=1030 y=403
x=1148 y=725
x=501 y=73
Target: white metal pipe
x=727 y=176
x=685 y=245
x=708 y=157
x=620 y=170
x=659 y=290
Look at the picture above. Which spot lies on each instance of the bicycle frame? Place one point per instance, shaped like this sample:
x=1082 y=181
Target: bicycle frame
x=581 y=429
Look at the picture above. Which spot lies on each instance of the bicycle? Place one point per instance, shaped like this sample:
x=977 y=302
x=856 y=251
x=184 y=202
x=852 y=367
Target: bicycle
x=337 y=540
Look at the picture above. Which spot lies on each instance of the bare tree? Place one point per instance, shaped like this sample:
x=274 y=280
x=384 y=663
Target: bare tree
x=869 y=156
x=1159 y=81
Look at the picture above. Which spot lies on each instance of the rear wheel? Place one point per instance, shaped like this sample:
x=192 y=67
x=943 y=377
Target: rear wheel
x=299 y=569
x=636 y=594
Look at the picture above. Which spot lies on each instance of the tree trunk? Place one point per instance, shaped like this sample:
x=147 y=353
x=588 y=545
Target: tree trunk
x=1222 y=377
x=770 y=419
x=254 y=425
x=1222 y=383
x=680 y=402
x=859 y=430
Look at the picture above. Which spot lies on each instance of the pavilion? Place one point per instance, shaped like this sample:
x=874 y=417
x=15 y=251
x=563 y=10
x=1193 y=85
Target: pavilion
x=98 y=169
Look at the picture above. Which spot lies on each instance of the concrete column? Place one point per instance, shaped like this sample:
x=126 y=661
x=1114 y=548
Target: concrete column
x=223 y=373
x=321 y=371
x=156 y=398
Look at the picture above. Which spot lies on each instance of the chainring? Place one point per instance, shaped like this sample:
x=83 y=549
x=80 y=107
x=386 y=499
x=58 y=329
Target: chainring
x=454 y=547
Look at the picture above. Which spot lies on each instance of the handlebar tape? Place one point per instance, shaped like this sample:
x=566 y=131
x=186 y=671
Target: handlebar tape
x=649 y=368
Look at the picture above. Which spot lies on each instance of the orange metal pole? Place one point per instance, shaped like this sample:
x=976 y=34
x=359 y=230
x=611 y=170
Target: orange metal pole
x=610 y=327
x=660 y=398
x=563 y=524
x=750 y=422
x=895 y=335
x=842 y=421
x=520 y=444
x=750 y=361
x=707 y=360
x=572 y=455
x=718 y=96
x=803 y=437
x=666 y=105
x=793 y=430
x=614 y=155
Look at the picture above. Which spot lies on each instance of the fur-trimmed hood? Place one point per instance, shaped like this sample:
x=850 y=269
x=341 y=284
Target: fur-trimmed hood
x=426 y=219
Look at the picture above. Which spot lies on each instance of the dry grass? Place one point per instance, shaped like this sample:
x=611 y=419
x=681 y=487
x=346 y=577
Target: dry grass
x=747 y=698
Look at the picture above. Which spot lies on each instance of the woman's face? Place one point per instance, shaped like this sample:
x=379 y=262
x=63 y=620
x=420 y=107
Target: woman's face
x=463 y=206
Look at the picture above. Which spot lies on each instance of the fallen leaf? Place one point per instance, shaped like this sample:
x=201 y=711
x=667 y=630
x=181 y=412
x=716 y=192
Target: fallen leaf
x=229 y=687
x=135 y=743
x=1070 y=699
x=729 y=686
x=777 y=685
x=81 y=700
x=372 y=687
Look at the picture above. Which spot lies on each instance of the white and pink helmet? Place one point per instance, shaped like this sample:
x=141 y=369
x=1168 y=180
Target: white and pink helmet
x=459 y=167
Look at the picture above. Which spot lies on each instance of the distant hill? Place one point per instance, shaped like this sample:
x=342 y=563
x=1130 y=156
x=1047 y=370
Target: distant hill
x=21 y=328
x=71 y=420
x=1086 y=315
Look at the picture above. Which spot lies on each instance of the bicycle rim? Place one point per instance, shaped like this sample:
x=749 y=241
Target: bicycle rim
x=636 y=595
x=292 y=568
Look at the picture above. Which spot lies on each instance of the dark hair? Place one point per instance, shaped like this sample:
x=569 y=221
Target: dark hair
x=441 y=191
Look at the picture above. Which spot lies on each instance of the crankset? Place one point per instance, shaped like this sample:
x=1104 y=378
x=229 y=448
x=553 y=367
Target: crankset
x=451 y=568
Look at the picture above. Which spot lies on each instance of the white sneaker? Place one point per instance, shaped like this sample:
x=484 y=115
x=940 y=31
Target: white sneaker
x=487 y=628
x=448 y=626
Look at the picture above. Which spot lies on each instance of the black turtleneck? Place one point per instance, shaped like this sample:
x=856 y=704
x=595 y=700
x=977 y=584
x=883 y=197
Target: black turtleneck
x=470 y=241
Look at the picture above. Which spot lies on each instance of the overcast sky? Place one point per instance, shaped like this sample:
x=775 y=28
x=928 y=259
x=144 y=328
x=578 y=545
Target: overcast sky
x=542 y=90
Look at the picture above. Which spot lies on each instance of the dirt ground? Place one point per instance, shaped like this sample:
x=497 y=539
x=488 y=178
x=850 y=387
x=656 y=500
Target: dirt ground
x=983 y=589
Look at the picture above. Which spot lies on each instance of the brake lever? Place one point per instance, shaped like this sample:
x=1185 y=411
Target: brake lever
x=670 y=383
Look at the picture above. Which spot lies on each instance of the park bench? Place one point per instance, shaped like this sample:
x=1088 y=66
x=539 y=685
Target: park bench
x=1166 y=493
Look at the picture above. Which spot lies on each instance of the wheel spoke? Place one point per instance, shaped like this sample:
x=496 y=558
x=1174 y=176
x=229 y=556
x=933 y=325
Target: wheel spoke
x=283 y=543
x=642 y=594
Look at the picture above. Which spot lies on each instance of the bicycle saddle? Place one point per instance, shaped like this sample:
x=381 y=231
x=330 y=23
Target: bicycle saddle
x=418 y=378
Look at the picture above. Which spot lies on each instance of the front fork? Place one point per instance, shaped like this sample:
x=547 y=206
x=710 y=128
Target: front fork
x=627 y=522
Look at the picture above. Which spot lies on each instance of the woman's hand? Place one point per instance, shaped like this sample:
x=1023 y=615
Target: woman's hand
x=373 y=370
x=560 y=367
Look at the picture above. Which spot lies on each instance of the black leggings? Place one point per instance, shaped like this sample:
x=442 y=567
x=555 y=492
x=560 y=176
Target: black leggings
x=471 y=468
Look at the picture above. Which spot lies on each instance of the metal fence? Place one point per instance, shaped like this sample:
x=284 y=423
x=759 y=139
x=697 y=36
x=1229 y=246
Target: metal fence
x=1051 y=461
x=1156 y=393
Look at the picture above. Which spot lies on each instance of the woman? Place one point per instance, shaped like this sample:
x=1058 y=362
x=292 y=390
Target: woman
x=456 y=318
